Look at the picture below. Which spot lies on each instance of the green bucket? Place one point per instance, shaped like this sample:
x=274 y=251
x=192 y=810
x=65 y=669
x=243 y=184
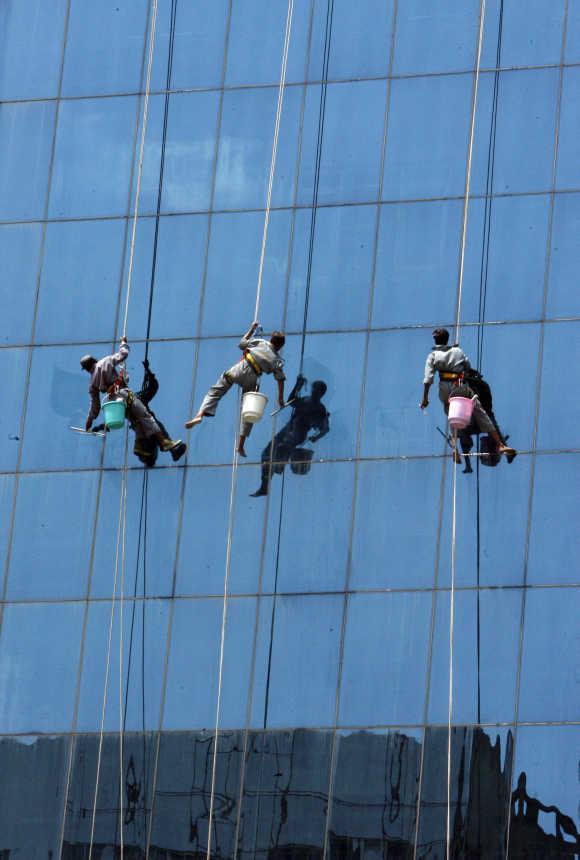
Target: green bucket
x=114 y=413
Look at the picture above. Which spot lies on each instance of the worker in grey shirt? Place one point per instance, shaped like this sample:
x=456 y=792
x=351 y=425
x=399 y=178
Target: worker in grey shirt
x=108 y=377
x=451 y=363
x=259 y=356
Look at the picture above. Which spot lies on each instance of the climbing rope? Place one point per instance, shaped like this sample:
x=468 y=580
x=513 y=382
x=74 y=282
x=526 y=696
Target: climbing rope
x=454 y=497
x=121 y=528
x=233 y=484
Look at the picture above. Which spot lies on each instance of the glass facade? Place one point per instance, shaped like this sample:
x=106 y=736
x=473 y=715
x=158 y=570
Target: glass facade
x=332 y=732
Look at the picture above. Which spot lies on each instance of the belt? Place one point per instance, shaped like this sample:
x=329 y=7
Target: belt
x=253 y=363
x=450 y=375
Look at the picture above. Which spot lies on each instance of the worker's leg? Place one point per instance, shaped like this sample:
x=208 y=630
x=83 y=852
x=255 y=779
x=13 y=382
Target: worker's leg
x=248 y=380
x=445 y=387
x=147 y=427
x=486 y=425
x=212 y=398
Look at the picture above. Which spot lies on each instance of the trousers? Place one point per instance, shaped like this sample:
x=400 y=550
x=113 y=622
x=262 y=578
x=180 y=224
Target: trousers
x=139 y=417
x=480 y=417
x=242 y=374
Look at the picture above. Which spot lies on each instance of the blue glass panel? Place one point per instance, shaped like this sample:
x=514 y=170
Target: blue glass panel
x=524 y=144
x=53 y=530
x=573 y=34
x=545 y=788
x=171 y=362
x=26 y=132
x=178 y=275
x=341 y=266
x=416 y=276
x=233 y=264
x=144 y=638
x=140 y=283
x=351 y=152
x=532 y=32
x=31 y=47
x=192 y=677
x=245 y=152
x=189 y=153
x=149 y=556
x=427 y=137
x=375 y=792
x=401 y=553
x=105 y=48
x=256 y=41
x=436 y=39
x=38 y=674
x=361 y=38
x=19 y=246
x=486 y=637
x=314 y=530
x=13 y=373
x=554 y=537
x=563 y=298
x=559 y=427
x=551 y=655
x=80 y=281
x=378 y=645
x=304 y=661
x=35 y=768
x=6 y=499
x=199 y=44
x=93 y=157
x=567 y=172
x=58 y=398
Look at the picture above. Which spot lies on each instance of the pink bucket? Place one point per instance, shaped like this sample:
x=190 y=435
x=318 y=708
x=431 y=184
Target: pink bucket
x=460 y=412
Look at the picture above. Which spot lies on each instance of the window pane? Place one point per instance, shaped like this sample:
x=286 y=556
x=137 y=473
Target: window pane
x=53 y=531
x=427 y=137
x=13 y=373
x=80 y=281
x=6 y=499
x=551 y=656
x=351 y=152
x=192 y=679
x=189 y=152
x=555 y=537
x=257 y=38
x=561 y=350
x=361 y=38
x=144 y=637
x=485 y=656
x=19 y=247
x=34 y=768
x=301 y=678
x=245 y=152
x=25 y=143
x=112 y=30
x=234 y=260
x=545 y=790
x=38 y=676
x=285 y=796
x=375 y=792
x=150 y=536
x=92 y=161
x=532 y=32
x=567 y=175
x=199 y=44
x=31 y=48
x=438 y=39
x=377 y=645
x=562 y=293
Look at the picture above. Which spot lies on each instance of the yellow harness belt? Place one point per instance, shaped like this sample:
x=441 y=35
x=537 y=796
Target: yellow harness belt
x=253 y=363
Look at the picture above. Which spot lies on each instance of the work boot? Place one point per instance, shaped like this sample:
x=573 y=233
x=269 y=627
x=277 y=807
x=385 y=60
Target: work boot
x=178 y=452
x=261 y=491
x=169 y=444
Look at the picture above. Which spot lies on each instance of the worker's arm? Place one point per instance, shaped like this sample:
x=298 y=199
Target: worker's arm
x=94 y=408
x=429 y=376
x=281 y=402
x=245 y=341
x=300 y=383
x=324 y=428
x=120 y=356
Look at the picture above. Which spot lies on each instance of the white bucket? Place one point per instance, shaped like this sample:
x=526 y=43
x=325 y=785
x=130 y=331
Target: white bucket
x=253 y=405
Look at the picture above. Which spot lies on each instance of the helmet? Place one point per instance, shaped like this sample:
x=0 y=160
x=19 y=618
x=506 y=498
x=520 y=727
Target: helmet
x=87 y=362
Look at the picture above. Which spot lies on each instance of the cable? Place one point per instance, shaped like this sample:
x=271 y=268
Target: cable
x=233 y=485
x=457 y=326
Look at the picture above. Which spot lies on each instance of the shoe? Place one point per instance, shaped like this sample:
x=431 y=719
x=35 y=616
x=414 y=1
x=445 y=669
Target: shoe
x=510 y=454
x=178 y=452
x=259 y=492
x=170 y=444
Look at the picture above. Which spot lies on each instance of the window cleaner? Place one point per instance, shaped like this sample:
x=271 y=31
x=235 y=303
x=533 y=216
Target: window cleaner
x=259 y=356
x=108 y=377
x=454 y=368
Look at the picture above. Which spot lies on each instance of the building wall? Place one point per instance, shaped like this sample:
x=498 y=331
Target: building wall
x=332 y=691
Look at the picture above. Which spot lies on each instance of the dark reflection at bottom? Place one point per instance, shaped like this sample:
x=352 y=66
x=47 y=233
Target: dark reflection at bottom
x=285 y=812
